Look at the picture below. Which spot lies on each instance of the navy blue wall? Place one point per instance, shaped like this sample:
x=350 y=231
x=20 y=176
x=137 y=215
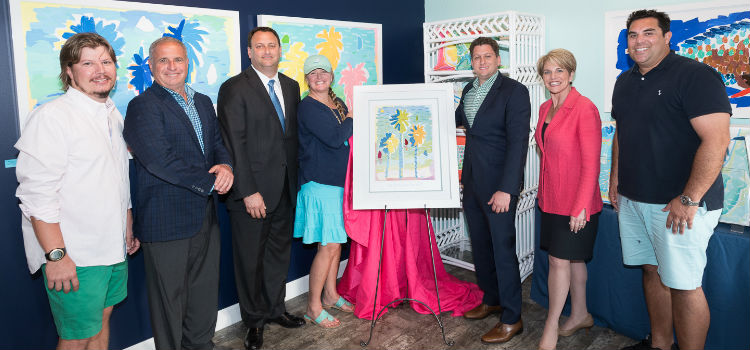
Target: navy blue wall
x=25 y=318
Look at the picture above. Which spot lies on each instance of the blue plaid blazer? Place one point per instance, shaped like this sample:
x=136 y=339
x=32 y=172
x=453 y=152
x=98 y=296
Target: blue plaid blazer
x=172 y=183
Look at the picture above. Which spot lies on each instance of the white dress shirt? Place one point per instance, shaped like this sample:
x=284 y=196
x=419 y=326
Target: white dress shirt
x=72 y=169
x=276 y=87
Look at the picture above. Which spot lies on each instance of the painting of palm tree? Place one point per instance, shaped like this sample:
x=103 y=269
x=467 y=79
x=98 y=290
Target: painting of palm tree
x=416 y=137
x=331 y=46
x=387 y=145
x=192 y=36
x=400 y=121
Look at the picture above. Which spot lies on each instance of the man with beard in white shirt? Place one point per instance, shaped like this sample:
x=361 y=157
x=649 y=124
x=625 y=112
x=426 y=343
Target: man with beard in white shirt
x=75 y=195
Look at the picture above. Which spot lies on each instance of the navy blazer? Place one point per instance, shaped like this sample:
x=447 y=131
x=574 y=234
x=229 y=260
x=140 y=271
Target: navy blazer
x=172 y=182
x=497 y=142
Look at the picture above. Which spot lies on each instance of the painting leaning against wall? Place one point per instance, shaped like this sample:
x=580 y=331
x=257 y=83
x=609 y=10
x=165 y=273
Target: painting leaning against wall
x=40 y=28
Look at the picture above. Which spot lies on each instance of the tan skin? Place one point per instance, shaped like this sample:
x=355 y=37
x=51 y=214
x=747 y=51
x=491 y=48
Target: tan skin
x=324 y=269
x=169 y=66
x=687 y=310
x=94 y=75
x=264 y=53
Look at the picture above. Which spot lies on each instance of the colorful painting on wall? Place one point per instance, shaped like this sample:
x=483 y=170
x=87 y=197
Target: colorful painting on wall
x=715 y=33
x=405 y=152
x=608 y=134
x=40 y=28
x=736 y=174
x=354 y=49
x=404 y=137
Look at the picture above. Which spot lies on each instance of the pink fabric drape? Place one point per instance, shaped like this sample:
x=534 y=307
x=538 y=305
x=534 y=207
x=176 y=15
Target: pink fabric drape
x=406 y=268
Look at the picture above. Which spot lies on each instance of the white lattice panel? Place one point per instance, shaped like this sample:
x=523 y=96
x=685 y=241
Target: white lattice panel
x=522 y=35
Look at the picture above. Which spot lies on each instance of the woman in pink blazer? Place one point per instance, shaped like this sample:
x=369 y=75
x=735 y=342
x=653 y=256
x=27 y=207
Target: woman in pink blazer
x=569 y=138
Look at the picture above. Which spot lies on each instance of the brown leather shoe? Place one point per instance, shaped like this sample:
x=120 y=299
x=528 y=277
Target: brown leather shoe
x=502 y=332
x=482 y=311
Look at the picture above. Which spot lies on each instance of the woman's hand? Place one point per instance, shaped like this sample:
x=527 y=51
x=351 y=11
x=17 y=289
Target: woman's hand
x=577 y=223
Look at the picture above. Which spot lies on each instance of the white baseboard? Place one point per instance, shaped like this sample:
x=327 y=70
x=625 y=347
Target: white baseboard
x=231 y=314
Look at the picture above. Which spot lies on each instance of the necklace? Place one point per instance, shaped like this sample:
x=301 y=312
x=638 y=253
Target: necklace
x=335 y=115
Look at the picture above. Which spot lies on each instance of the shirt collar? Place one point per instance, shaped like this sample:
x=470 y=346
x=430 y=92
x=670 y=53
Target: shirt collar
x=487 y=84
x=88 y=103
x=188 y=91
x=664 y=62
x=265 y=79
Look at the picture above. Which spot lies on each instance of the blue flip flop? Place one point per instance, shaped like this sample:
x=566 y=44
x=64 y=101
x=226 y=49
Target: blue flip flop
x=340 y=305
x=322 y=317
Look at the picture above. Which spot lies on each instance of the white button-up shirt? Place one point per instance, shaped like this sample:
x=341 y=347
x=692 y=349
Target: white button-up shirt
x=72 y=169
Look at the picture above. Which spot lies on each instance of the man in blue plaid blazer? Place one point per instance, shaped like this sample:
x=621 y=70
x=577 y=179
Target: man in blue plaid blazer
x=181 y=165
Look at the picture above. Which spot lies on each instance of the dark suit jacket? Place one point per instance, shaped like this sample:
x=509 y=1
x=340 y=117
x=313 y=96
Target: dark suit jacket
x=497 y=142
x=263 y=154
x=172 y=180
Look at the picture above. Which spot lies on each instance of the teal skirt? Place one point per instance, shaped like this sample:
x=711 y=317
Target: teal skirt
x=320 y=215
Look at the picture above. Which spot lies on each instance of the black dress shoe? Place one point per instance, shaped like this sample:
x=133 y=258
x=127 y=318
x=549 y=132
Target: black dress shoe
x=254 y=338
x=288 y=320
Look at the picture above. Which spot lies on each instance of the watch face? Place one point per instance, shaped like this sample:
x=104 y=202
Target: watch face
x=56 y=254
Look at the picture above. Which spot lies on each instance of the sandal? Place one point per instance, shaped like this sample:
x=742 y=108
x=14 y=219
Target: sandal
x=340 y=305
x=324 y=316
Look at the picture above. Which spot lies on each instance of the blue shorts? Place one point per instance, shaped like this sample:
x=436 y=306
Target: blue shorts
x=646 y=240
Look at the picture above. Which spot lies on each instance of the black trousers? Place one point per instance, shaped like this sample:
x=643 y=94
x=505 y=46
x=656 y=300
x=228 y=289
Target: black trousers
x=493 y=245
x=261 y=250
x=182 y=281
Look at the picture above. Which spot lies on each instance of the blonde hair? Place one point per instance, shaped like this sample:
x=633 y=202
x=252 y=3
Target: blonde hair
x=562 y=57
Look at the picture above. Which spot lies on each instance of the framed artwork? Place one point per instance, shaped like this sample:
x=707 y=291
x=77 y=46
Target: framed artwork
x=355 y=50
x=605 y=160
x=715 y=33
x=405 y=147
x=41 y=27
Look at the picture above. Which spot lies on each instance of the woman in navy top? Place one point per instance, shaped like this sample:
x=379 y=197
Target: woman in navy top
x=325 y=125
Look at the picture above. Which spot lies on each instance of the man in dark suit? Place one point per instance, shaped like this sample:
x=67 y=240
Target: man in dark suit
x=495 y=111
x=181 y=164
x=258 y=115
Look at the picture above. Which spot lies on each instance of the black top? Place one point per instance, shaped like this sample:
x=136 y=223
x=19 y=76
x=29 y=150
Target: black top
x=323 y=143
x=656 y=141
x=544 y=129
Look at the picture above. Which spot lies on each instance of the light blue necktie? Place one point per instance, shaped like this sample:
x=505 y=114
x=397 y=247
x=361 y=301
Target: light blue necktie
x=276 y=104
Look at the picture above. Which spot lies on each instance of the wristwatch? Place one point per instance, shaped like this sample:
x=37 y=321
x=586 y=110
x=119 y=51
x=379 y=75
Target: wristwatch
x=686 y=200
x=55 y=254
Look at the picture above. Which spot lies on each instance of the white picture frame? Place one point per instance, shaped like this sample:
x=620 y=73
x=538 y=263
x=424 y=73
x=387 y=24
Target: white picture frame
x=404 y=151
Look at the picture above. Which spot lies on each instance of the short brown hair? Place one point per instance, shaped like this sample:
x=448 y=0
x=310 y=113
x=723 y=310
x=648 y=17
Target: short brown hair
x=483 y=40
x=70 y=53
x=562 y=57
x=262 y=29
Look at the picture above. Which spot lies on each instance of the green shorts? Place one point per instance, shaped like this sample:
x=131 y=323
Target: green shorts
x=78 y=315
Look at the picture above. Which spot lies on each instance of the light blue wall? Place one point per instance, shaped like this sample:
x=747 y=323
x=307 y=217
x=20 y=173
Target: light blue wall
x=576 y=25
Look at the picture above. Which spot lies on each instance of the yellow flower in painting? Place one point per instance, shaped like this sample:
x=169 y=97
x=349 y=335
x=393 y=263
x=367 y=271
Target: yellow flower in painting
x=294 y=60
x=392 y=143
x=400 y=120
x=331 y=47
x=417 y=134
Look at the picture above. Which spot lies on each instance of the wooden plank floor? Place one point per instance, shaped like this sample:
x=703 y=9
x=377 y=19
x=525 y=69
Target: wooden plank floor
x=402 y=328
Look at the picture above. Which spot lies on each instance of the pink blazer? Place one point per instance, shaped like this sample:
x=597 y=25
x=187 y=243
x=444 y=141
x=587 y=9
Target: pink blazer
x=569 y=174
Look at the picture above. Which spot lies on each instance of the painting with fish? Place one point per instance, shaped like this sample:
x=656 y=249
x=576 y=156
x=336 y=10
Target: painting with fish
x=40 y=28
x=404 y=149
x=715 y=33
x=353 y=48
